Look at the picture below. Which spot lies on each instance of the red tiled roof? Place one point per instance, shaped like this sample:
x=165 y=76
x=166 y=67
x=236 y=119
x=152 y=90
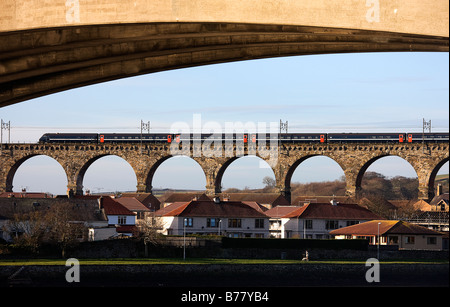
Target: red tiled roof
x=302 y=200
x=255 y=206
x=211 y=209
x=370 y=228
x=185 y=197
x=113 y=207
x=166 y=211
x=25 y=195
x=329 y=211
x=261 y=198
x=147 y=199
x=281 y=211
x=132 y=204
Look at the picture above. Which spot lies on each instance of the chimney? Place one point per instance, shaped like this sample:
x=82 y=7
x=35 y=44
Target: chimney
x=439 y=189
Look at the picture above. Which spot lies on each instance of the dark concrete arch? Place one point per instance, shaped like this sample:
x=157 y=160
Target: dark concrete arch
x=39 y=62
x=12 y=171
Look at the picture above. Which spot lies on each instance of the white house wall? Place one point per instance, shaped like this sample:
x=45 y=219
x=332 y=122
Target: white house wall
x=176 y=226
x=97 y=234
x=114 y=220
x=294 y=227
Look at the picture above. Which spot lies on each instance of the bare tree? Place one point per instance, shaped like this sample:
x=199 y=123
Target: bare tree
x=269 y=182
x=27 y=229
x=148 y=230
x=62 y=230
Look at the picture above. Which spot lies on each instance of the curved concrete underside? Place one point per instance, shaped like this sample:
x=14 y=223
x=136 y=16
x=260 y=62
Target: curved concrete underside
x=38 y=62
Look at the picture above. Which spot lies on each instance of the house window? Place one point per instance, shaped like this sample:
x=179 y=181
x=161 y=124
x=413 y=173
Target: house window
x=350 y=223
x=212 y=222
x=234 y=223
x=188 y=222
x=259 y=223
x=121 y=219
x=393 y=240
x=308 y=224
x=409 y=240
x=332 y=224
x=431 y=240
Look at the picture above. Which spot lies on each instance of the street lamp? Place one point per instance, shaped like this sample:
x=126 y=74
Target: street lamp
x=184 y=238
x=378 y=247
x=220 y=223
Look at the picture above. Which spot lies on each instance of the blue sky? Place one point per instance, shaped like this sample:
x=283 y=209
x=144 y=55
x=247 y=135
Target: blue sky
x=380 y=92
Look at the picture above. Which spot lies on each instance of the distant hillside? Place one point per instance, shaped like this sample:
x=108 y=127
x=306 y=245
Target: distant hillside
x=444 y=180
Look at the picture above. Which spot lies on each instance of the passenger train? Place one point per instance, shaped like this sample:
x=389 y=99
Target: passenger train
x=245 y=138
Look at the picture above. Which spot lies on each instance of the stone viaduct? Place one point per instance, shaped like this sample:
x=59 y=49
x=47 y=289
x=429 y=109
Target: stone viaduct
x=49 y=46
x=353 y=158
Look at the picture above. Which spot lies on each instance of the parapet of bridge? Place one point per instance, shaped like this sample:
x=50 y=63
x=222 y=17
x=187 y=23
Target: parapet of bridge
x=354 y=159
x=52 y=46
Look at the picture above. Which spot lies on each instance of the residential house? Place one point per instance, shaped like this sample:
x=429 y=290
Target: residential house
x=393 y=232
x=440 y=203
x=304 y=200
x=79 y=211
x=147 y=199
x=228 y=218
x=276 y=220
x=315 y=220
x=119 y=216
x=184 y=197
x=135 y=206
x=25 y=194
x=268 y=200
x=433 y=215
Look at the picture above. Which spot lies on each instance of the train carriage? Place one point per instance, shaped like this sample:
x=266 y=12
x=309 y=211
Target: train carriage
x=366 y=137
x=250 y=138
x=303 y=137
x=427 y=137
x=69 y=138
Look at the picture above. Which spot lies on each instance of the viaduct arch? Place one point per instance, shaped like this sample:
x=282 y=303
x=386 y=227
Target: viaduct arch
x=67 y=44
x=354 y=159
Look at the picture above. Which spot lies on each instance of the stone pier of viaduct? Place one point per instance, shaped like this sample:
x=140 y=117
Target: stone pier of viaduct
x=353 y=158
